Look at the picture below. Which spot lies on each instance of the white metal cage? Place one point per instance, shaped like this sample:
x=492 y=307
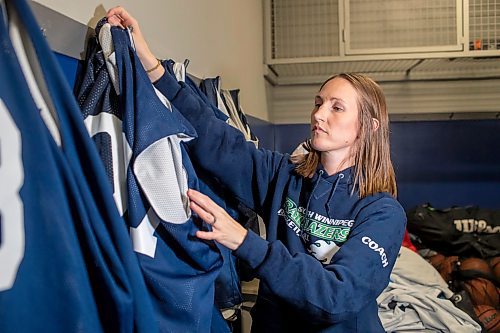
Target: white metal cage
x=484 y=25
x=381 y=26
x=304 y=28
x=307 y=40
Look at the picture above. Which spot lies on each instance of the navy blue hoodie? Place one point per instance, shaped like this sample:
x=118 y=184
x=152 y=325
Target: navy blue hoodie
x=328 y=253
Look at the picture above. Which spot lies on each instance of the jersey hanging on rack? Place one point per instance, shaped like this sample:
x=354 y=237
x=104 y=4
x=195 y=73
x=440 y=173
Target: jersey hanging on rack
x=228 y=102
x=140 y=140
x=65 y=259
x=227 y=285
x=249 y=135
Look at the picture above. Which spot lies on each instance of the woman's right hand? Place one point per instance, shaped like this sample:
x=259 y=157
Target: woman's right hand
x=118 y=16
x=225 y=230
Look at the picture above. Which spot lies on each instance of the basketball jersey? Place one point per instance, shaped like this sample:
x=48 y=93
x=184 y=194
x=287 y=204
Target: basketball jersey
x=67 y=263
x=140 y=138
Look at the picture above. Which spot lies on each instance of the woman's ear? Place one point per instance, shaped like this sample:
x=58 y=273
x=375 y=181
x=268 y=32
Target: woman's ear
x=375 y=124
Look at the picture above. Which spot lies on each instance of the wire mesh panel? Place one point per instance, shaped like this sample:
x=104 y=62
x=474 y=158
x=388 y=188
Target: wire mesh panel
x=484 y=24
x=304 y=28
x=395 y=24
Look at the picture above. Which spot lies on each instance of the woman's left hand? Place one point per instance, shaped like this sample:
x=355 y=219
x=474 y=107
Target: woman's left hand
x=225 y=230
x=118 y=16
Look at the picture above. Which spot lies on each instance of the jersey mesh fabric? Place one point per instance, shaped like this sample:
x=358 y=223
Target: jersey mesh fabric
x=77 y=273
x=179 y=269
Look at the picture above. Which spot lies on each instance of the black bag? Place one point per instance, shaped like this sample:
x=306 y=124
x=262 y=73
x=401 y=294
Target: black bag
x=463 y=231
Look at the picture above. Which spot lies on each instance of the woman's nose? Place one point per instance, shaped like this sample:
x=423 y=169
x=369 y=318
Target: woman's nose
x=319 y=113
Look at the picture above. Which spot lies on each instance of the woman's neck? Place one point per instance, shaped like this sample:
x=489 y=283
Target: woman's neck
x=334 y=162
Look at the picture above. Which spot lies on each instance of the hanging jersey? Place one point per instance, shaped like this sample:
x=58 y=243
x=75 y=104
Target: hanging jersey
x=209 y=87
x=140 y=140
x=30 y=244
x=66 y=263
x=228 y=102
x=227 y=284
x=200 y=91
x=235 y=95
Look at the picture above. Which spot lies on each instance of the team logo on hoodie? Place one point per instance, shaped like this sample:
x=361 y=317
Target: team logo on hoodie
x=324 y=234
x=323 y=250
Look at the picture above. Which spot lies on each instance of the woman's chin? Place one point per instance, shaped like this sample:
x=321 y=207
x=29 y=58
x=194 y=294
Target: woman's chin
x=316 y=145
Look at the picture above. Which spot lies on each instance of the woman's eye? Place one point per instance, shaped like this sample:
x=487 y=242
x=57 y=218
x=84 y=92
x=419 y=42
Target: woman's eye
x=318 y=102
x=337 y=108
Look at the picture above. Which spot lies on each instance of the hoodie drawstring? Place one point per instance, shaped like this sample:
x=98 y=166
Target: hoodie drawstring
x=328 y=206
x=314 y=189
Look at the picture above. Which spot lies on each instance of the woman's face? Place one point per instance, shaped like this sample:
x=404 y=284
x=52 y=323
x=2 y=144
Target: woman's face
x=334 y=119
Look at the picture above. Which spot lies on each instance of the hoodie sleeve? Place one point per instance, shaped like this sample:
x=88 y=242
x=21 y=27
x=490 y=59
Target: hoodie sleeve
x=221 y=149
x=357 y=274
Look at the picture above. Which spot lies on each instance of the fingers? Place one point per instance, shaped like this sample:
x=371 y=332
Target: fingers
x=206 y=235
x=204 y=202
x=225 y=230
x=118 y=16
x=119 y=12
x=202 y=213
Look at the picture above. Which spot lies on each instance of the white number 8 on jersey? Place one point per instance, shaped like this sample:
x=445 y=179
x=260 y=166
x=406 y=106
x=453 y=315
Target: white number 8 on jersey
x=11 y=206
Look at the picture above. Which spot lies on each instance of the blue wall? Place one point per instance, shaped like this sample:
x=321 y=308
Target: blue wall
x=447 y=163
x=69 y=67
x=263 y=130
x=289 y=136
x=444 y=163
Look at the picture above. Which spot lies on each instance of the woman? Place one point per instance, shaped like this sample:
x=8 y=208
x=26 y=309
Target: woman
x=333 y=225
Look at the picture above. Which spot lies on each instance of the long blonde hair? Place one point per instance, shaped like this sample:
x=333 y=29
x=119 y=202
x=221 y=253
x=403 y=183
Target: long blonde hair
x=373 y=170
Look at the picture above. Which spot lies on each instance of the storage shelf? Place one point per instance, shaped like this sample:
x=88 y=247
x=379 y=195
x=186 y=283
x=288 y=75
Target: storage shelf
x=309 y=40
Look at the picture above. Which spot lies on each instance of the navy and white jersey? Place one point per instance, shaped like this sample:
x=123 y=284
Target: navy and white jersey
x=228 y=102
x=140 y=139
x=227 y=285
x=66 y=262
x=235 y=96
